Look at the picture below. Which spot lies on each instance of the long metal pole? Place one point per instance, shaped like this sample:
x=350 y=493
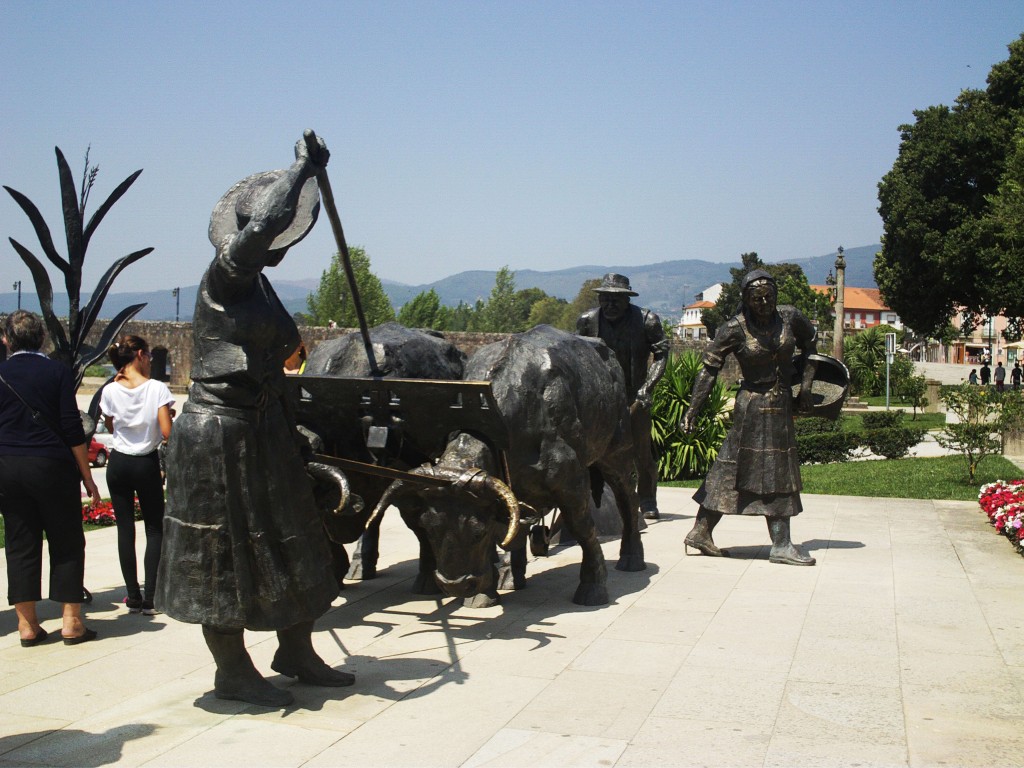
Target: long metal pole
x=339 y=237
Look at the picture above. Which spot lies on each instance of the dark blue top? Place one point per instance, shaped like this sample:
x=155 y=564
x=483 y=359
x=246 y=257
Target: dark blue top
x=49 y=388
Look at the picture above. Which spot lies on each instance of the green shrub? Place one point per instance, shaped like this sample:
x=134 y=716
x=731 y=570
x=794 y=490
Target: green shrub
x=882 y=419
x=826 y=447
x=812 y=425
x=892 y=442
x=687 y=455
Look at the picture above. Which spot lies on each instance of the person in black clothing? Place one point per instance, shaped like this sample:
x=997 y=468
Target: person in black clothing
x=1015 y=375
x=43 y=456
x=986 y=375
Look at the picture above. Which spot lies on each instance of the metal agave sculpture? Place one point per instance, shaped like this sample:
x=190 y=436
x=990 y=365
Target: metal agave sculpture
x=69 y=345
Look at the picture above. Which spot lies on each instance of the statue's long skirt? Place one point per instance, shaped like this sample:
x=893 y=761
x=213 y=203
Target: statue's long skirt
x=243 y=544
x=757 y=471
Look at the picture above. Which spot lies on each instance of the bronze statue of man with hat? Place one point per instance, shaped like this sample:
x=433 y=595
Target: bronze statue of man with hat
x=636 y=336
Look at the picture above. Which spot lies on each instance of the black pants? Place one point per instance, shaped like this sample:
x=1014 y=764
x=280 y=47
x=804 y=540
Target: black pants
x=40 y=495
x=127 y=477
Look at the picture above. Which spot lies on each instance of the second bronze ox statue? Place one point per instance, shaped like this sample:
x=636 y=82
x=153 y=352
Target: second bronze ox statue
x=562 y=400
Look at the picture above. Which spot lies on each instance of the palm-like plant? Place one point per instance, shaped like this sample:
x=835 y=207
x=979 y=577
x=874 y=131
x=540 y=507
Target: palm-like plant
x=864 y=355
x=69 y=345
x=687 y=455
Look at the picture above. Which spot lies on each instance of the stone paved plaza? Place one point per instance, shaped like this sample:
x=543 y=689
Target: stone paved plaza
x=903 y=646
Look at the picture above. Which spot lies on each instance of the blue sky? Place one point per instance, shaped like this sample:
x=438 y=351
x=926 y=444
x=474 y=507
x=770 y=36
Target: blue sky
x=537 y=135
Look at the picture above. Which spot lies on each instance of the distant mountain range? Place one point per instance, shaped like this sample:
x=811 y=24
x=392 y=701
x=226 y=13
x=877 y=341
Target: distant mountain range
x=665 y=287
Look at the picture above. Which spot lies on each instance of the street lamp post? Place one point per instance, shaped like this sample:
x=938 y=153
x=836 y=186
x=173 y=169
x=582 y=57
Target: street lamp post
x=176 y=293
x=840 y=305
x=17 y=287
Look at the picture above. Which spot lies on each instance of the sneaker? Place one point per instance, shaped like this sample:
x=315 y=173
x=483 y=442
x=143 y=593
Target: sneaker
x=134 y=604
x=148 y=609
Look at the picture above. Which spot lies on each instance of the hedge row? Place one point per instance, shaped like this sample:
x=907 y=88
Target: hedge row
x=820 y=441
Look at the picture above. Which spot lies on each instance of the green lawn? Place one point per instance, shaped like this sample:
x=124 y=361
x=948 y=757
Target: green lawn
x=944 y=477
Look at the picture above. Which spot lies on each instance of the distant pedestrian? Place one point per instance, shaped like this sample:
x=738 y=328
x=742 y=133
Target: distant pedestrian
x=986 y=374
x=1000 y=376
x=973 y=378
x=1015 y=375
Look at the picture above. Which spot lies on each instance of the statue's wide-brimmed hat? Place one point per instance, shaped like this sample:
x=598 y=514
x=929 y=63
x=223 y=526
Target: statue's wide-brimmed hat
x=233 y=211
x=613 y=283
x=829 y=388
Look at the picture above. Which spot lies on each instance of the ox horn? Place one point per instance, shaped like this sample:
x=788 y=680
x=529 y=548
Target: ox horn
x=477 y=480
x=397 y=488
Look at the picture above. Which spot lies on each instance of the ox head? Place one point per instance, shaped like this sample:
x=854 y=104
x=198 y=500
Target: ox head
x=462 y=519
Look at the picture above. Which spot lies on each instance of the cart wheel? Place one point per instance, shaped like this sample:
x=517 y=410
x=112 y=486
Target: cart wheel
x=540 y=537
x=86 y=595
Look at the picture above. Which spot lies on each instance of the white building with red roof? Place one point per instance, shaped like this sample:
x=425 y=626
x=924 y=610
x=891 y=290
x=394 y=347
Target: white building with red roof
x=690 y=325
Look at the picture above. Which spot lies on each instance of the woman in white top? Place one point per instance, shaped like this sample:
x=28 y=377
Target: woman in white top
x=137 y=411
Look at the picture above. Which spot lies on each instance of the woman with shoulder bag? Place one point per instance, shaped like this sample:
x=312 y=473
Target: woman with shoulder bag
x=137 y=412
x=43 y=456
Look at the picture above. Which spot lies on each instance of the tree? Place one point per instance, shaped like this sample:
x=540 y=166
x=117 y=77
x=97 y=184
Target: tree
x=978 y=416
x=422 y=311
x=951 y=206
x=793 y=289
x=500 y=313
x=585 y=299
x=913 y=390
x=332 y=301
x=548 y=311
x=69 y=345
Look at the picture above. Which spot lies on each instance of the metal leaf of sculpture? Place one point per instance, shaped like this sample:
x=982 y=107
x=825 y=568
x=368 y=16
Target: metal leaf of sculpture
x=69 y=344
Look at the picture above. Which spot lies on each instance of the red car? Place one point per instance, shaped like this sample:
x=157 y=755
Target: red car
x=97 y=453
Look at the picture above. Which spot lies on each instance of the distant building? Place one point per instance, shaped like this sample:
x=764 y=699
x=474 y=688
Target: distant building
x=983 y=342
x=690 y=326
x=863 y=308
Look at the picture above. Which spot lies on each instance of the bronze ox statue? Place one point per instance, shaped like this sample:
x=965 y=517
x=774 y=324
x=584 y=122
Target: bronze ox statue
x=345 y=413
x=562 y=401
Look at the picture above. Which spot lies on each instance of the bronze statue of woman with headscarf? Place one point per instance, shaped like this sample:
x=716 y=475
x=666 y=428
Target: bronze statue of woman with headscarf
x=757 y=471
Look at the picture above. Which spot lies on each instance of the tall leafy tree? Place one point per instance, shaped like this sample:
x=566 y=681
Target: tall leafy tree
x=500 y=312
x=332 y=301
x=585 y=299
x=422 y=311
x=548 y=310
x=950 y=206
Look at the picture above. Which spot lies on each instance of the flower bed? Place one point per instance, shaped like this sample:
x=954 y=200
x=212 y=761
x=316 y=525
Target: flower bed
x=103 y=513
x=1003 y=502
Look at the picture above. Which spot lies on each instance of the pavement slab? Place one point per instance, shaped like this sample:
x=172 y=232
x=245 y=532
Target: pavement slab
x=903 y=646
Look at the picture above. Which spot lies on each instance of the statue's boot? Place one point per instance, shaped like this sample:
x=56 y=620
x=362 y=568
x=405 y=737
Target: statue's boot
x=783 y=549
x=236 y=677
x=295 y=657
x=699 y=536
